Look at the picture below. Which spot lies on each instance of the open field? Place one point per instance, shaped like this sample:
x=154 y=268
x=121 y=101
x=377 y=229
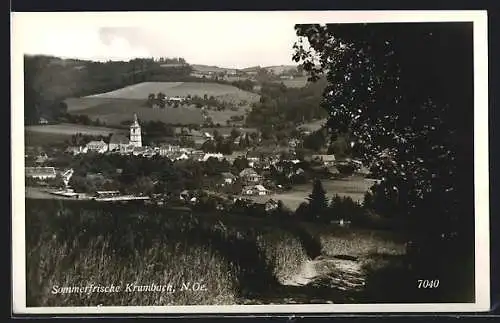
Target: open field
x=313 y=125
x=353 y=187
x=71 y=129
x=33 y=138
x=142 y=90
x=77 y=105
x=245 y=260
x=41 y=135
x=227 y=130
x=278 y=69
x=115 y=111
x=118 y=106
x=296 y=82
x=208 y=68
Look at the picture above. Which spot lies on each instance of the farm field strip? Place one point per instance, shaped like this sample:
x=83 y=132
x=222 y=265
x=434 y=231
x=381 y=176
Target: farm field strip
x=295 y=83
x=70 y=129
x=142 y=90
x=117 y=106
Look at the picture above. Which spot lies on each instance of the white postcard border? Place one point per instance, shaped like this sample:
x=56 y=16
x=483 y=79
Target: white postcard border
x=22 y=22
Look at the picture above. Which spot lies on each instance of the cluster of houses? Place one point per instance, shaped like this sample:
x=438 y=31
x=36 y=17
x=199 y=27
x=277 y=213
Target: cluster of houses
x=221 y=75
x=45 y=173
x=253 y=183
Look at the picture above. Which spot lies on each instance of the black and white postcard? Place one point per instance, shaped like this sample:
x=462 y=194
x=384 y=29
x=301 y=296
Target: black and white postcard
x=250 y=162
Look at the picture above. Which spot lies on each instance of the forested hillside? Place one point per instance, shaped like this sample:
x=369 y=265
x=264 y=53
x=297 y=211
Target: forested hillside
x=282 y=105
x=50 y=80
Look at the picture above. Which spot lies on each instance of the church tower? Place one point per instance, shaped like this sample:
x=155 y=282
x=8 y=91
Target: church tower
x=135 y=133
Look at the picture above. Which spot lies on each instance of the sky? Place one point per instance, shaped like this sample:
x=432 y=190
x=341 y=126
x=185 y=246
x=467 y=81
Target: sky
x=235 y=40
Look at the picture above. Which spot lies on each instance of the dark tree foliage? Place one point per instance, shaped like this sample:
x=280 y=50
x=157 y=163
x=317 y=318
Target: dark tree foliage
x=317 y=201
x=406 y=94
x=315 y=141
x=49 y=80
x=280 y=105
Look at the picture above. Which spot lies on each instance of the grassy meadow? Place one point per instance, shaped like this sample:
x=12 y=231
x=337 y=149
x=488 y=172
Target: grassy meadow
x=236 y=258
x=353 y=187
x=142 y=90
x=70 y=129
x=117 y=110
x=117 y=106
x=312 y=126
x=296 y=82
x=42 y=135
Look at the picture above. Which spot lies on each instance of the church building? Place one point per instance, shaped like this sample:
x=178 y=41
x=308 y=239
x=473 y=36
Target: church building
x=119 y=142
x=135 y=133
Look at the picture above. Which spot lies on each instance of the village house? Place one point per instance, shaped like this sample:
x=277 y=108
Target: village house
x=176 y=99
x=117 y=141
x=271 y=205
x=127 y=149
x=197 y=155
x=298 y=171
x=42 y=173
x=41 y=158
x=188 y=196
x=326 y=160
x=341 y=222
x=66 y=176
x=174 y=156
x=228 y=178
x=139 y=151
x=294 y=143
x=97 y=146
x=253 y=161
x=163 y=150
x=219 y=156
x=255 y=190
x=249 y=175
x=76 y=150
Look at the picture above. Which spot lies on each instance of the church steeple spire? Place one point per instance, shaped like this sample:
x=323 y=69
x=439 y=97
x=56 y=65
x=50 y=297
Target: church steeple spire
x=135 y=133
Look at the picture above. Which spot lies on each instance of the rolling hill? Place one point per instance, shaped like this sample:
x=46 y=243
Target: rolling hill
x=117 y=106
x=142 y=90
x=114 y=111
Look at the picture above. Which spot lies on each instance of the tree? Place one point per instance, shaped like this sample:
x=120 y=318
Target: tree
x=315 y=141
x=151 y=100
x=317 y=200
x=235 y=133
x=57 y=181
x=405 y=93
x=143 y=185
x=209 y=146
x=254 y=136
x=160 y=99
x=240 y=163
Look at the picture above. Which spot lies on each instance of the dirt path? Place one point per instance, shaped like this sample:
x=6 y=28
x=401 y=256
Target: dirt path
x=324 y=280
x=329 y=272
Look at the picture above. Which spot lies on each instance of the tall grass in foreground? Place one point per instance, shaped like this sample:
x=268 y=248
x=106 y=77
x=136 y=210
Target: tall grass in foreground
x=356 y=244
x=236 y=259
x=78 y=244
x=284 y=252
x=52 y=264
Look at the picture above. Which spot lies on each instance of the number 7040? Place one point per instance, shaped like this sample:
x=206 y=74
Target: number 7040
x=425 y=283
